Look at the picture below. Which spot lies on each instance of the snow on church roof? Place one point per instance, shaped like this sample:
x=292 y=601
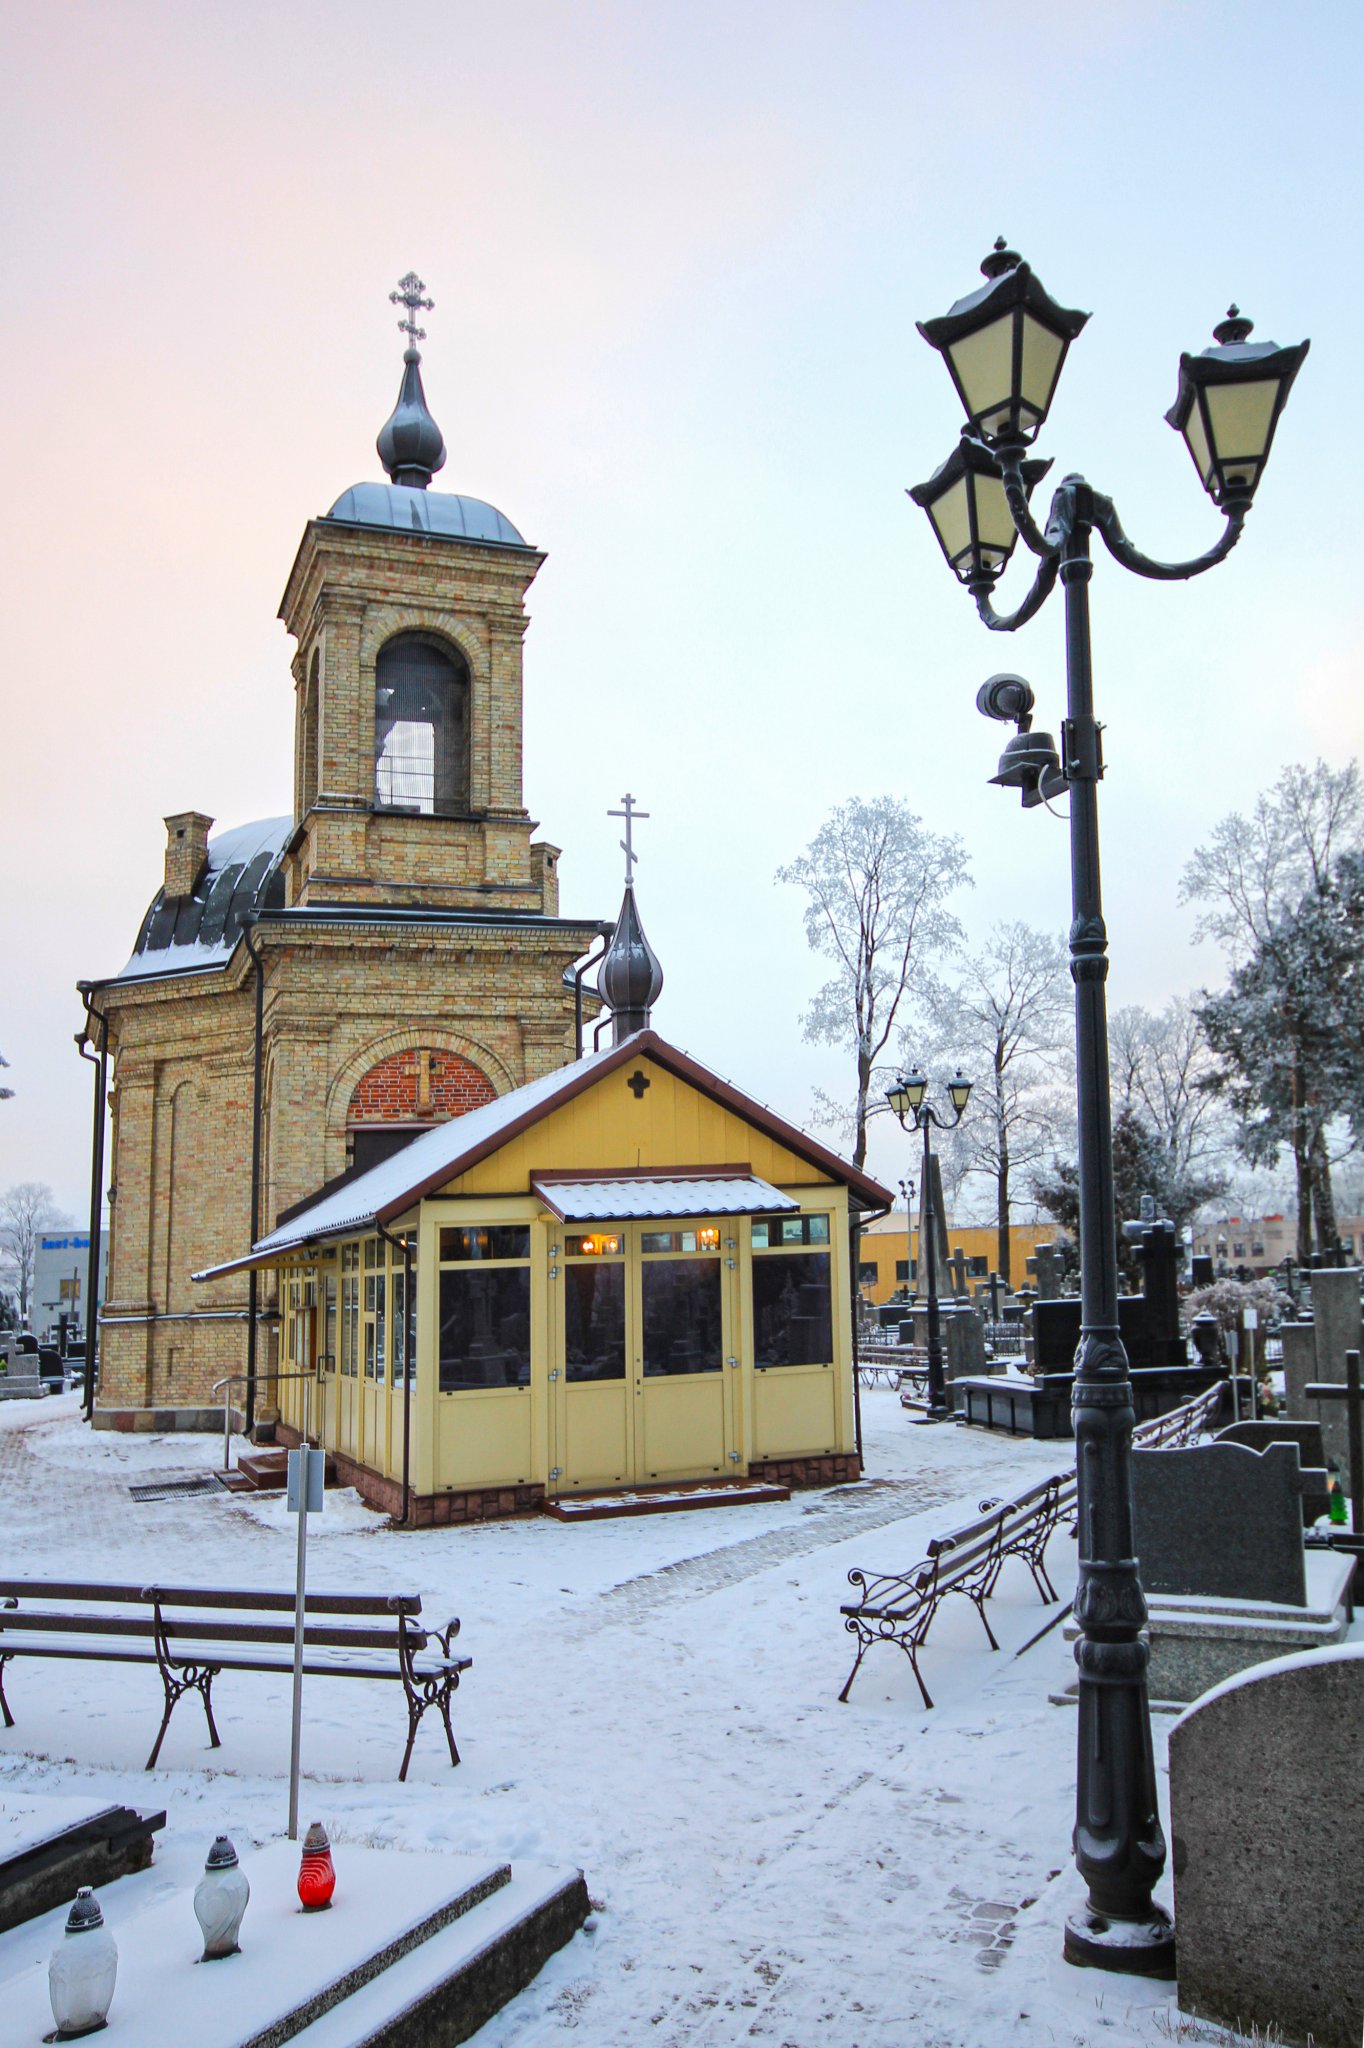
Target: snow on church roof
x=241 y=876
x=383 y=1192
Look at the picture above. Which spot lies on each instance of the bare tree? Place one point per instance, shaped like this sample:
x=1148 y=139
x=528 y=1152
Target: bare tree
x=26 y=1210
x=875 y=881
x=1004 y=1020
x=1254 y=871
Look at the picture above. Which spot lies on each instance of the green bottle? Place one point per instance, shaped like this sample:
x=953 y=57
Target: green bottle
x=1339 y=1512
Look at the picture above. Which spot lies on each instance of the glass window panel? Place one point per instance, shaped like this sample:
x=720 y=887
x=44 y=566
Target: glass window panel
x=597 y=1246
x=682 y=1324
x=792 y=1229
x=399 y=1324
x=369 y=1349
x=867 y=1273
x=485 y=1329
x=372 y=1255
x=817 y=1230
x=380 y=1325
x=594 y=1322
x=984 y=364
x=951 y=517
x=1196 y=435
x=761 y=1236
x=421 y=753
x=1240 y=416
x=495 y=1241
x=792 y=1311
x=658 y=1241
x=329 y=1324
x=1041 y=361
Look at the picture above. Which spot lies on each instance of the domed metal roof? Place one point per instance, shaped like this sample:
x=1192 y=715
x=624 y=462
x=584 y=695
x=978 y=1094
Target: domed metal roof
x=242 y=875
x=406 y=510
x=630 y=979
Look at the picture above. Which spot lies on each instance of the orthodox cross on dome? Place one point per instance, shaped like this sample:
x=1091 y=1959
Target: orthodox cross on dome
x=409 y=294
x=627 y=844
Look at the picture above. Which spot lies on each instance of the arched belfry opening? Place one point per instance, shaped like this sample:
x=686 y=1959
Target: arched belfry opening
x=421 y=727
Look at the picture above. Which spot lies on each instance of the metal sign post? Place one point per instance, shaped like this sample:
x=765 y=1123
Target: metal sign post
x=306 y=1468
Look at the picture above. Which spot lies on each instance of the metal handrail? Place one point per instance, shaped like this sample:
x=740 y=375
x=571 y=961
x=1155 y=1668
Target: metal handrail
x=242 y=1379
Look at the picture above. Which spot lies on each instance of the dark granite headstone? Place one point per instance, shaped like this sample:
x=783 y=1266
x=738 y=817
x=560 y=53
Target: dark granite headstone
x=1256 y=1436
x=1221 y=1520
x=1268 y=1850
x=1160 y=1290
x=1056 y=1331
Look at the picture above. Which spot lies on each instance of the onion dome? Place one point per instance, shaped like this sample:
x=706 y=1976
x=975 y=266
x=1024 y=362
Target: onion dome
x=629 y=980
x=411 y=445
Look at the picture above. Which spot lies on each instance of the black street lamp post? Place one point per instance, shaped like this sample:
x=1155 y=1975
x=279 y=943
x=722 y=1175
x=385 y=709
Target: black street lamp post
x=906 y=1098
x=1004 y=346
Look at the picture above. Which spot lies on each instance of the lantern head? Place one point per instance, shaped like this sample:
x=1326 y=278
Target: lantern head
x=966 y=505
x=1228 y=406
x=1004 y=346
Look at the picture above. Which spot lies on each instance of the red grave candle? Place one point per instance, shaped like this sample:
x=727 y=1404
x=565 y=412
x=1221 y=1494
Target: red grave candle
x=316 y=1877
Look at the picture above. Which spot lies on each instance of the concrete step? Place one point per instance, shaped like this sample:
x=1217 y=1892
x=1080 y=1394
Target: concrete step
x=663 y=1500
x=414 y=1948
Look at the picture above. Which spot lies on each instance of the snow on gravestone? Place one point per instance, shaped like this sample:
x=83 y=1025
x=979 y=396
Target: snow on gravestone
x=1267 y=1821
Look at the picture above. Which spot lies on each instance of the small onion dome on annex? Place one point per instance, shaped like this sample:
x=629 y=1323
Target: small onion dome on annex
x=625 y=1273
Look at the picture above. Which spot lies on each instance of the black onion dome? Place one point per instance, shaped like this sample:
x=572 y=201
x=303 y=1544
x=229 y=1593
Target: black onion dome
x=629 y=980
x=242 y=875
x=411 y=445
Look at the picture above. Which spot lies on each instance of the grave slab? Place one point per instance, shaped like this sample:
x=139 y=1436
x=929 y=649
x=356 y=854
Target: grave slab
x=1197 y=1642
x=1220 y=1519
x=1267 y=1838
x=50 y=1845
x=296 y=1967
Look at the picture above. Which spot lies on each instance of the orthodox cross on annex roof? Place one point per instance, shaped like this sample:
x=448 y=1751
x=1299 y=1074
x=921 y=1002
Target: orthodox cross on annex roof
x=627 y=844
x=409 y=294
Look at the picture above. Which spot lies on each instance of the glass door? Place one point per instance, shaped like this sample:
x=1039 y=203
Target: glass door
x=683 y=1400
x=593 y=1409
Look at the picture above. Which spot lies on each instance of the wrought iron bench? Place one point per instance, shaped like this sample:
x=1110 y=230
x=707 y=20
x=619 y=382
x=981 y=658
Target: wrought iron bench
x=191 y=1633
x=899 y=1607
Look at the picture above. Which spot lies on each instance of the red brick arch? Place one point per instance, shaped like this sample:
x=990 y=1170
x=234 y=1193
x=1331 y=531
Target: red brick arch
x=393 y=1091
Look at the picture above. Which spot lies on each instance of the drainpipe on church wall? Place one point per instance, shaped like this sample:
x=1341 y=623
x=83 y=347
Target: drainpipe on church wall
x=252 y=1280
x=100 y=1062
x=578 y=973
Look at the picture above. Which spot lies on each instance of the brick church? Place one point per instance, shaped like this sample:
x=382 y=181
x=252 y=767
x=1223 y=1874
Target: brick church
x=307 y=992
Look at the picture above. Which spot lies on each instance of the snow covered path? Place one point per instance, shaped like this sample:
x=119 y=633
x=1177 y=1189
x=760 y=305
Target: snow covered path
x=656 y=1700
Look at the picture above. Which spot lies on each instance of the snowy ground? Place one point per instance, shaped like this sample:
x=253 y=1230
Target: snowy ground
x=655 y=1700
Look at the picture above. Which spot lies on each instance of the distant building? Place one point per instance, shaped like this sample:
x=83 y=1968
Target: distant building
x=888 y=1254
x=60 y=1270
x=1260 y=1243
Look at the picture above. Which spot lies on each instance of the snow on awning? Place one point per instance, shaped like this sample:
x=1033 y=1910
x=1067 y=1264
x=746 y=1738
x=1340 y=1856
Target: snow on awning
x=616 y=1201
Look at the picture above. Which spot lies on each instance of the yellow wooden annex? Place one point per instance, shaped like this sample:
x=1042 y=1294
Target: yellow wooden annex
x=624 y=1274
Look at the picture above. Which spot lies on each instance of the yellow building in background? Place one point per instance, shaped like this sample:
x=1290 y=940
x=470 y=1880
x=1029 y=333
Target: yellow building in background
x=888 y=1253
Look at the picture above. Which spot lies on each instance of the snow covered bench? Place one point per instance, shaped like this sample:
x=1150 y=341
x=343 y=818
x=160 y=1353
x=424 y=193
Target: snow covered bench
x=191 y=1633
x=899 y=1607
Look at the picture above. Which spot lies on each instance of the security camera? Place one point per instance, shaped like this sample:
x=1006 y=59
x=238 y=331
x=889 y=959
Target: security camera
x=1007 y=698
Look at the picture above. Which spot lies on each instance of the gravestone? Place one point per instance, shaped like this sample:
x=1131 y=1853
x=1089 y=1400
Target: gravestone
x=1159 y=1251
x=1056 y=1331
x=1257 y=1436
x=1218 y=1519
x=1046 y=1272
x=1267 y=1816
x=1316 y=1351
x=957 y=1268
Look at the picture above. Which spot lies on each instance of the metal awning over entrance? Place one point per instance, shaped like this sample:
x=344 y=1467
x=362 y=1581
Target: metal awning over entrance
x=638 y=1196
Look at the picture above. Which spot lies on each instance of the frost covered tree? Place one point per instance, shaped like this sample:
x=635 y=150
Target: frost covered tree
x=1160 y=1063
x=1288 y=1033
x=1005 y=1019
x=5 y=1093
x=1278 y=889
x=876 y=882
x=26 y=1209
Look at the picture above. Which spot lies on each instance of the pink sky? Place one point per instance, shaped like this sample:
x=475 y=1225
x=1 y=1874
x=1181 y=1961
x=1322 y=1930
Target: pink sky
x=676 y=253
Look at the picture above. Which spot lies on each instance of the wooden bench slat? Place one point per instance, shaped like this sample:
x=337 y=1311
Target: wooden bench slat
x=265 y=1601
x=200 y=1628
